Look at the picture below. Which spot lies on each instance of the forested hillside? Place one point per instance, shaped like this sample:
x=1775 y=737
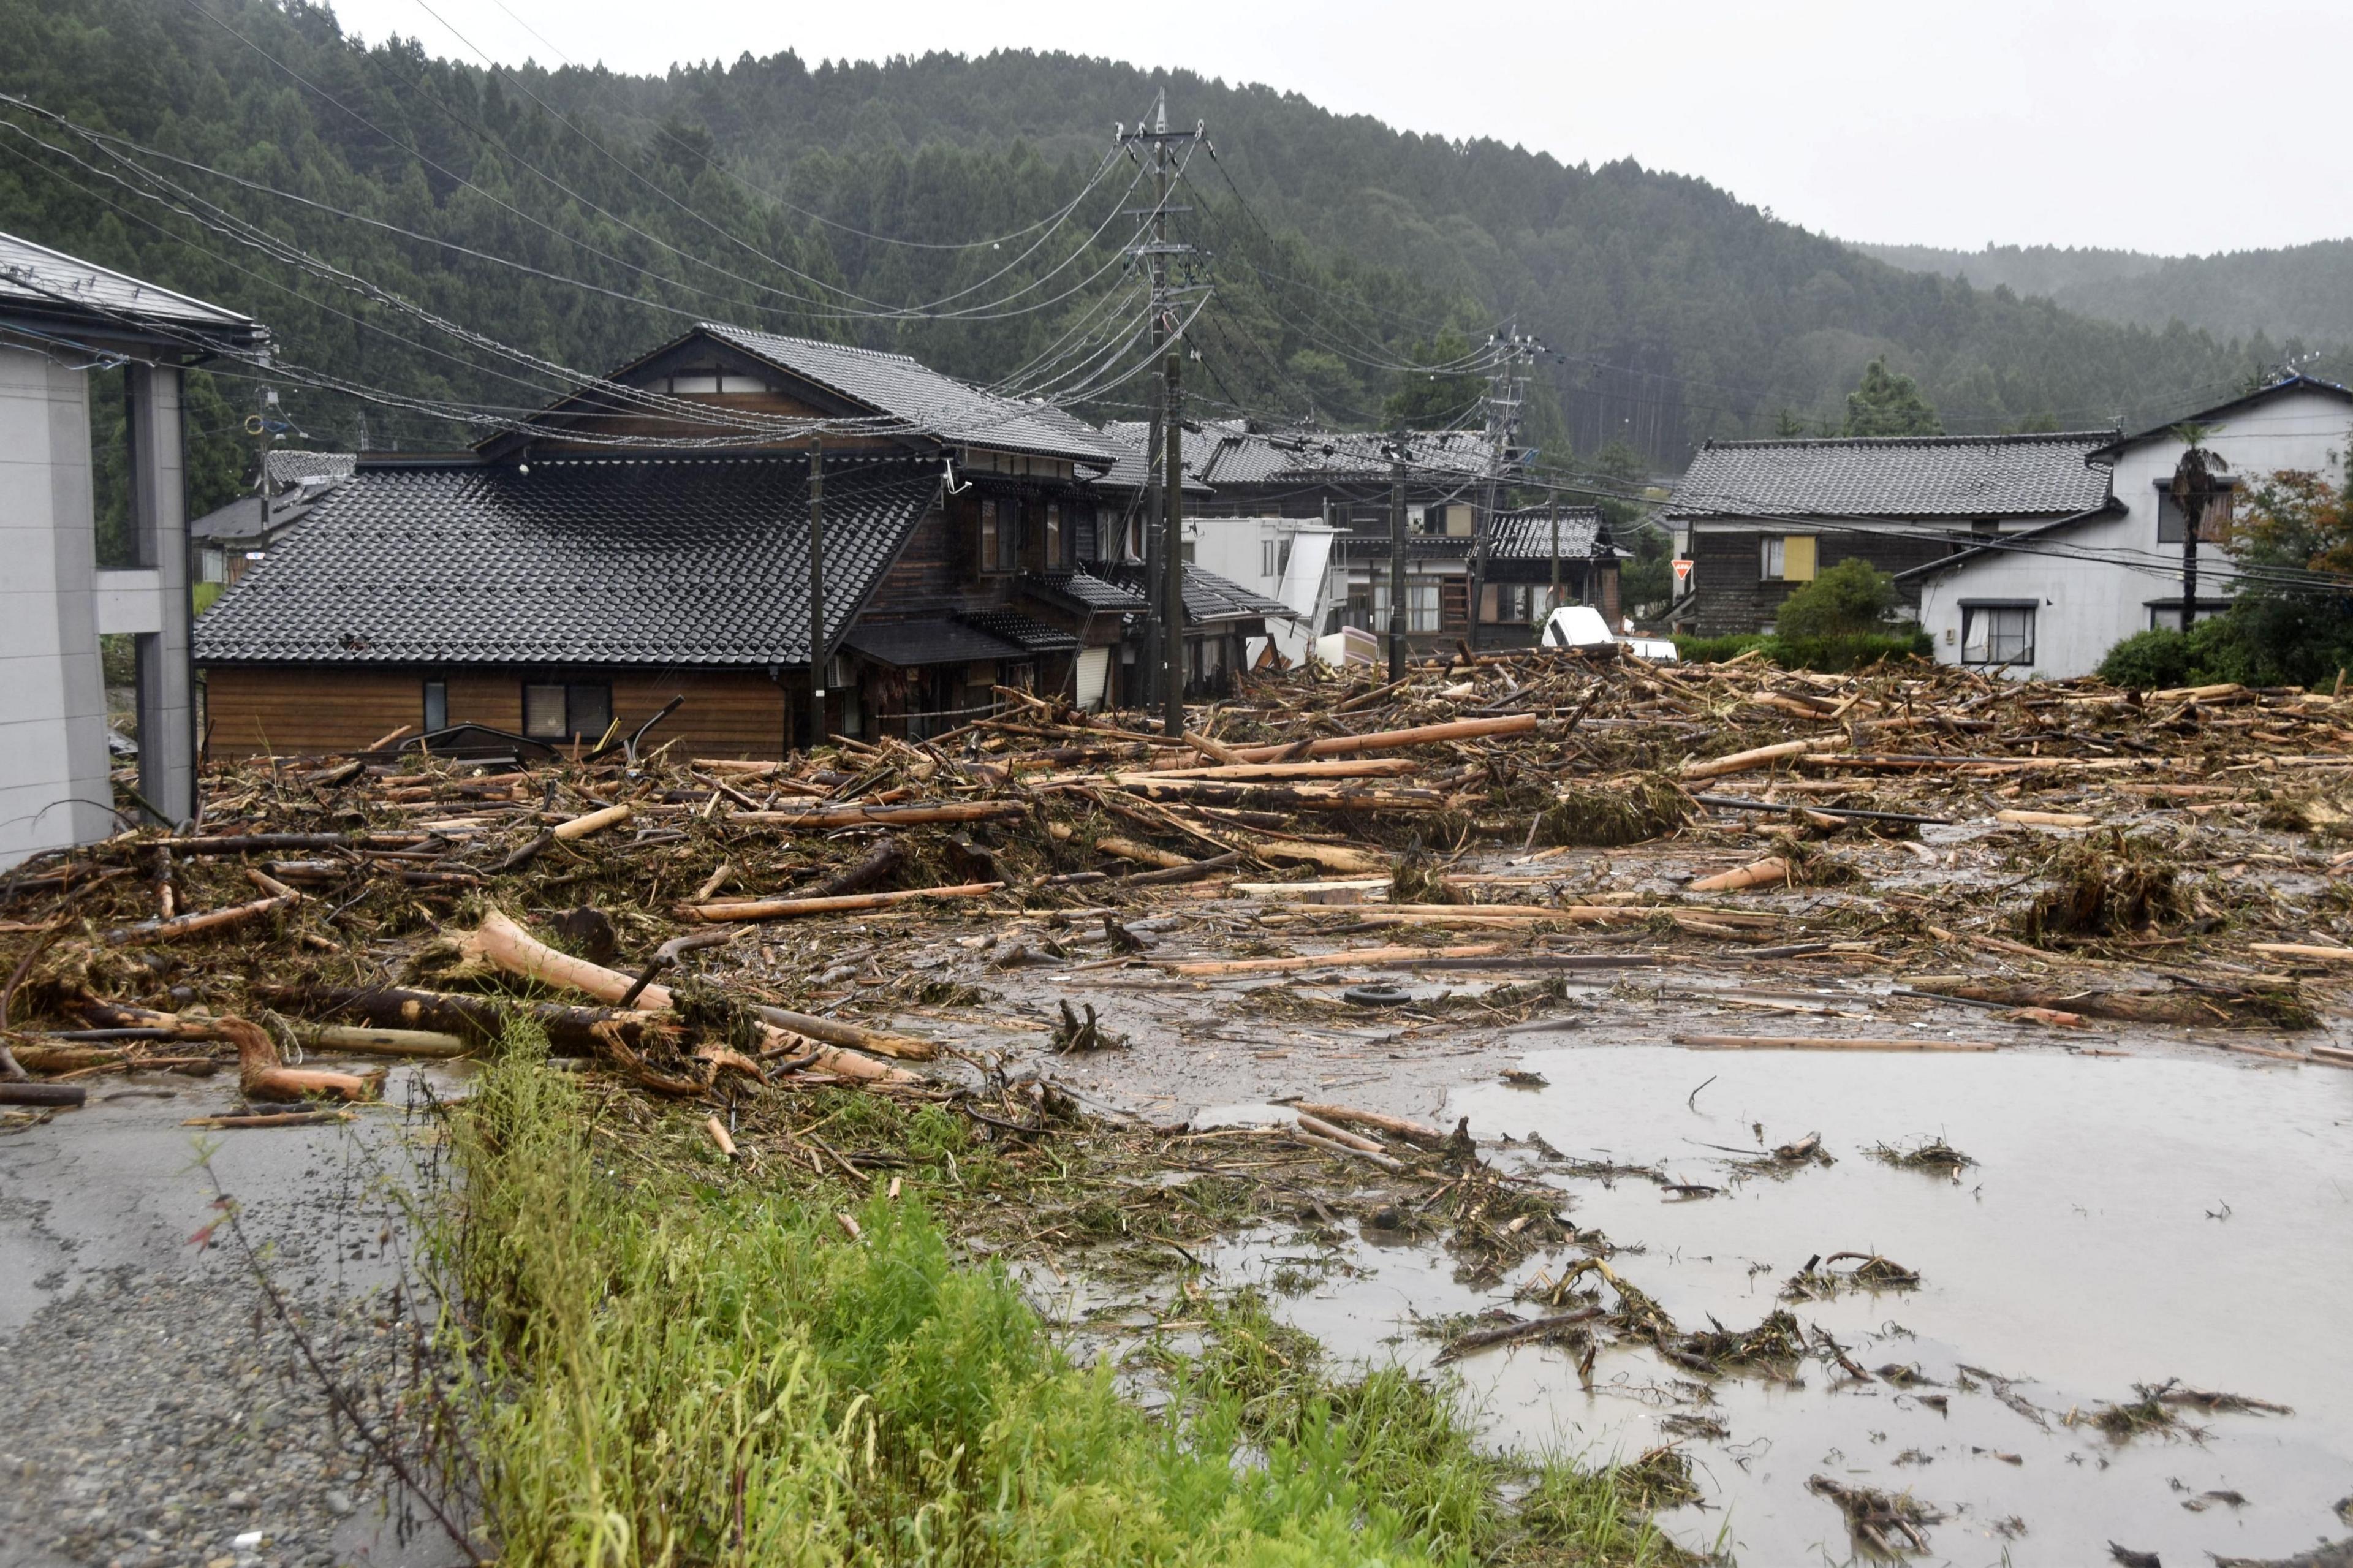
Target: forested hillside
x=2297 y=296
x=581 y=216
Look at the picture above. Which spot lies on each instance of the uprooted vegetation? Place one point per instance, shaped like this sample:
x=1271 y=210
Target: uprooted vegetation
x=2109 y=887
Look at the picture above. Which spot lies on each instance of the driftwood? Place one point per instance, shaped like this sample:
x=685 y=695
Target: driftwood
x=1771 y=871
x=1512 y=1333
x=418 y=1043
x=507 y=946
x=1824 y=1043
x=563 y=833
x=1389 y=740
x=1372 y=955
x=1184 y=870
x=792 y=908
x=15 y=1093
x=570 y=1031
x=280 y=897
x=877 y=864
x=1743 y=762
x=818 y=818
x=263 y=1074
x=270 y=1119
x=2186 y=1007
x=1395 y=1126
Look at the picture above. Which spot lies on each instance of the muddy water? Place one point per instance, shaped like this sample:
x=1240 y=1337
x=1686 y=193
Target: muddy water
x=2131 y=1220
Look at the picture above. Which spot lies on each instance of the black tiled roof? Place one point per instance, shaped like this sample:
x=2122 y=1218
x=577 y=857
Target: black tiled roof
x=1897 y=477
x=1208 y=596
x=910 y=644
x=1024 y=632
x=1132 y=439
x=50 y=287
x=700 y=561
x=1527 y=535
x=1084 y=592
x=1228 y=452
x=904 y=387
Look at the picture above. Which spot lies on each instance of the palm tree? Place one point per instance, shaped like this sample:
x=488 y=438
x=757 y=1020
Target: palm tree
x=2195 y=489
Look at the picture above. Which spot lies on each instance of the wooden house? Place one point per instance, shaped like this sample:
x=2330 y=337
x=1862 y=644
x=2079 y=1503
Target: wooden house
x=552 y=586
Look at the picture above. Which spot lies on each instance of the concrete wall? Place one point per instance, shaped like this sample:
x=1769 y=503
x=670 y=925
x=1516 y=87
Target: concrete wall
x=53 y=780
x=2085 y=606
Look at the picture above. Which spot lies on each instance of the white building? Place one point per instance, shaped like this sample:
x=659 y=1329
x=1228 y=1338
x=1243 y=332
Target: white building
x=1285 y=558
x=60 y=319
x=2052 y=601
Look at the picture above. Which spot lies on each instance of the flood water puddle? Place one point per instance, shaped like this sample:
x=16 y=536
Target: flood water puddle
x=2129 y=1220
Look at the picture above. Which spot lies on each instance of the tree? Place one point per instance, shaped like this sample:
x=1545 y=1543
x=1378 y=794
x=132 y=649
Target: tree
x=1443 y=395
x=1850 y=597
x=2195 y=491
x=1887 y=403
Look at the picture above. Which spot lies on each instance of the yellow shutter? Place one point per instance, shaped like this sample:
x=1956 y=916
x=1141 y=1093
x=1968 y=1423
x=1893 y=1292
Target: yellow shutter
x=1797 y=558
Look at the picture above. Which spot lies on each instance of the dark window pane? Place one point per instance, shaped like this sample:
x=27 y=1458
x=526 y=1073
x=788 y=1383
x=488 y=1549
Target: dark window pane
x=436 y=706
x=543 y=712
x=591 y=708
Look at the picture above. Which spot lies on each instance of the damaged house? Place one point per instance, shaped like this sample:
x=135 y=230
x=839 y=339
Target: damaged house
x=1760 y=519
x=555 y=584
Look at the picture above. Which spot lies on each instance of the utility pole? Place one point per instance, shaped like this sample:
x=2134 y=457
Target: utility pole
x=1501 y=401
x=1162 y=662
x=1553 y=602
x=813 y=719
x=1396 y=558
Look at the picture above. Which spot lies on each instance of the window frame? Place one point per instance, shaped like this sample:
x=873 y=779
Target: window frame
x=1772 y=557
x=573 y=733
x=436 y=694
x=1973 y=608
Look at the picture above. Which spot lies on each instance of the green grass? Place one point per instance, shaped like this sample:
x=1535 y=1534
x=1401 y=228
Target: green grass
x=666 y=1371
x=1833 y=655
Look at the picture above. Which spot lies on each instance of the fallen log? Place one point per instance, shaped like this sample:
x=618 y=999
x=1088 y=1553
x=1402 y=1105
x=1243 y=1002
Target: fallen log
x=2309 y=953
x=182 y=926
x=1184 y=870
x=1511 y=1333
x=63 y=1094
x=480 y=1020
x=1380 y=1121
x=915 y=812
x=2187 y=1007
x=1771 y=871
x=508 y=947
x=1363 y=768
x=1325 y=961
x=1290 y=797
x=2046 y=818
x=1322 y=1129
x=425 y=1044
x=1387 y=739
x=280 y=843
x=563 y=833
x=1823 y=1043
x=1761 y=757
x=1375 y=1157
x=1734 y=803
x=263 y=1074
x=791 y=908
x=229 y=1123
x=878 y=863
x=1142 y=854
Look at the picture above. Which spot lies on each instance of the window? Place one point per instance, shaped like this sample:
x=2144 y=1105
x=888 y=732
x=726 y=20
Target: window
x=1420 y=603
x=2169 y=520
x=1998 y=634
x=579 y=711
x=1000 y=534
x=1787 y=558
x=1054 y=556
x=436 y=706
x=1273 y=557
x=1509 y=603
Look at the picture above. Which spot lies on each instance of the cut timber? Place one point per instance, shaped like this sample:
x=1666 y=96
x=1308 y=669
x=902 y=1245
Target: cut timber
x=42 y=1094
x=1771 y=871
x=1387 y=739
x=1363 y=768
x=507 y=946
x=574 y=1031
x=1337 y=857
x=884 y=858
x=1216 y=750
x=1329 y=1146
x=1185 y=870
x=581 y=826
x=913 y=812
x=425 y=1043
x=791 y=908
x=1823 y=1043
x=1322 y=1129
x=1142 y=854
x=2047 y=818
x=1376 y=955
x=1354 y=891
x=1397 y=1126
x=2309 y=953
x=1762 y=757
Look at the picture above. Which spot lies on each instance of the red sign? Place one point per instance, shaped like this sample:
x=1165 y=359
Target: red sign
x=1683 y=571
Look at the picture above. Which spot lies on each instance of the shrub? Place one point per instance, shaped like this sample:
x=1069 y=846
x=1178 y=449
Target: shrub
x=1830 y=655
x=2147 y=660
x=1850 y=597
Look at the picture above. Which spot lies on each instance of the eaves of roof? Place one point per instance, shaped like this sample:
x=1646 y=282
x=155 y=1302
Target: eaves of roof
x=2112 y=507
x=2115 y=449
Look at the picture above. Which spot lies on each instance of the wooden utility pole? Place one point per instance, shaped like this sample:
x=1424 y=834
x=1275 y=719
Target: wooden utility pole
x=1553 y=602
x=1397 y=561
x=1171 y=553
x=813 y=719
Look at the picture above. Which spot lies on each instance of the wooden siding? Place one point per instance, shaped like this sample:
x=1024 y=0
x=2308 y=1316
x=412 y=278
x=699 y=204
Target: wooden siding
x=1729 y=596
x=930 y=577
x=306 y=710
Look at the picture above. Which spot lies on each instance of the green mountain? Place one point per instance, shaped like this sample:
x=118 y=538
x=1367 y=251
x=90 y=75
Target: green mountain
x=579 y=215
x=2298 y=296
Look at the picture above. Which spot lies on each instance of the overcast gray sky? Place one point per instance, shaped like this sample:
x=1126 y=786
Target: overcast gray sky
x=2169 y=125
